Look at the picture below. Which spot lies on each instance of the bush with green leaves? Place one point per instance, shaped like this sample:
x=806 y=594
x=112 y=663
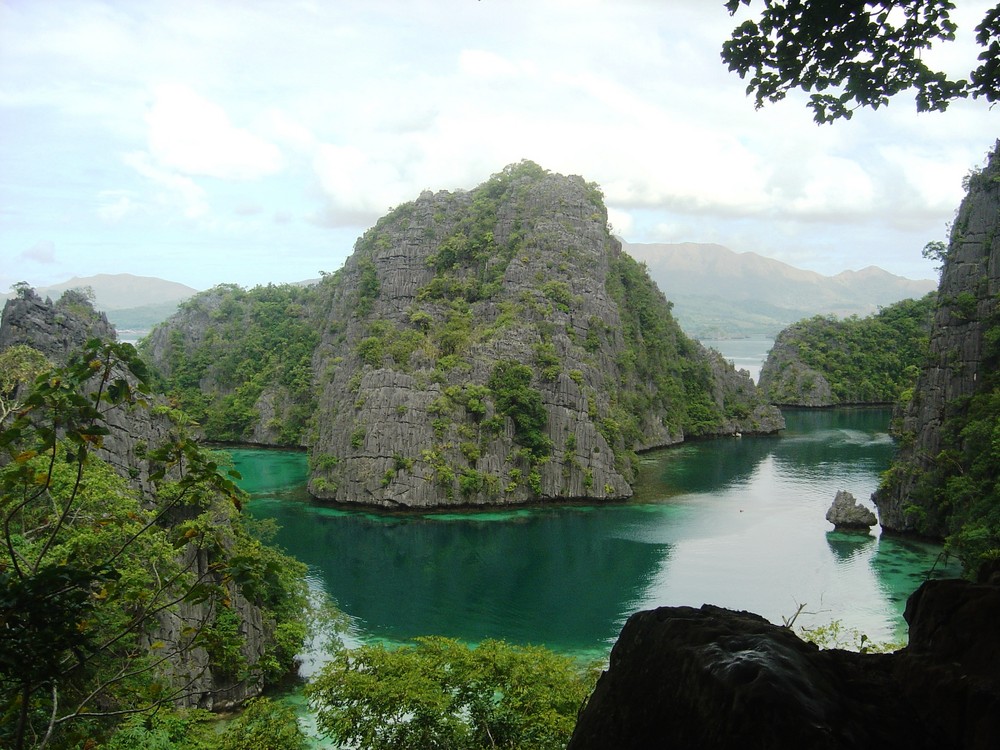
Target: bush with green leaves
x=514 y=397
x=441 y=693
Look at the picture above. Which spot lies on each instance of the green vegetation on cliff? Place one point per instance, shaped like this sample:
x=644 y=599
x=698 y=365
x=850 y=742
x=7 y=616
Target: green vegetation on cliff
x=959 y=490
x=107 y=594
x=247 y=345
x=826 y=361
x=657 y=352
x=484 y=346
x=965 y=480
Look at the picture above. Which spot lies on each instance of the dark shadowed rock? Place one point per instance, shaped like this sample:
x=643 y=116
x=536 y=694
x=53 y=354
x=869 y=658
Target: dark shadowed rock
x=847 y=513
x=711 y=678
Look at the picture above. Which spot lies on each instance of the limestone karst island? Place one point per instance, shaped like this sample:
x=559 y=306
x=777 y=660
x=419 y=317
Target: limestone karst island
x=482 y=347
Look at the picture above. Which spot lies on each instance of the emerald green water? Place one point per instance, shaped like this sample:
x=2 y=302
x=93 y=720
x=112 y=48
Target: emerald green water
x=734 y=522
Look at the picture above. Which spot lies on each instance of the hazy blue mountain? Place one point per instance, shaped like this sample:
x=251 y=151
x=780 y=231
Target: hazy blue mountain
x=718 y=293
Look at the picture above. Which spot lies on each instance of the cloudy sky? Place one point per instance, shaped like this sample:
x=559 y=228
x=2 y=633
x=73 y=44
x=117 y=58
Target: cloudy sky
x=250 y=141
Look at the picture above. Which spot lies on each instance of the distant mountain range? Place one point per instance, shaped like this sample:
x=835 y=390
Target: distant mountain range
x=718 y=293
x=134 y=304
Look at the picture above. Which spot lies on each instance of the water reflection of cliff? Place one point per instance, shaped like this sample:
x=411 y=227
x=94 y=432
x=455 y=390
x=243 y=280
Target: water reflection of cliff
x=827 y=441
x=701 y=466
x=557 y=578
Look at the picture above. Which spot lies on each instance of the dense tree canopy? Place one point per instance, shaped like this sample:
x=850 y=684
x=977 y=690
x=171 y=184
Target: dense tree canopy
x=257 y=341
x=864 y=360
x=854 y=54
x=440 y=693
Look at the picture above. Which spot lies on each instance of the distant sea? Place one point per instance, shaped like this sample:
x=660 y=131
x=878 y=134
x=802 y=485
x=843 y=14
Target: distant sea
x=745 y=354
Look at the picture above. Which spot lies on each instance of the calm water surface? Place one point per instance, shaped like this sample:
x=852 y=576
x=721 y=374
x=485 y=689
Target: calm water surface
x=735 y=522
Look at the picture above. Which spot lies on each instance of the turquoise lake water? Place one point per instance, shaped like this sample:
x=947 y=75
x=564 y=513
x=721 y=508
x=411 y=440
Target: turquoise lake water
x=733 y=522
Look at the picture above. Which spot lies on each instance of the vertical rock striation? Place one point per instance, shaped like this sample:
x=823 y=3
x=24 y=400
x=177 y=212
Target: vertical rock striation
x=955 y=371
x=61 y=329
x=495 y=346
x=481 y=347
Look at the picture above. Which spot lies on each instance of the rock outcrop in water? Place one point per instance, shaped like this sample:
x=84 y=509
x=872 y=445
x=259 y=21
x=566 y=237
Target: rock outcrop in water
x=847 y=513
x=715 y=679
x=943 y=481
x=824 y=361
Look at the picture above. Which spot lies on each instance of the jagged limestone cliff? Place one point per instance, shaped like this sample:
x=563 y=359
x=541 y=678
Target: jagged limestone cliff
x=490 y=346
x=496 y=346
x=174 y=632
x=944 y=481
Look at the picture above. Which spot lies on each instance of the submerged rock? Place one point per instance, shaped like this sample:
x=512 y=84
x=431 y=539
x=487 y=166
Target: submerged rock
x=712 y=678
x=847 y=513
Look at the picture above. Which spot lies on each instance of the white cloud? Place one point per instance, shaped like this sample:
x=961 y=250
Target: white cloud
x=358 y=187
x=175 y=191
x=194 y=136
x=938 y=183
x=287 y=129
x=41 y=252
x=115 y=205
x=621 y=221
x=483 y=64
x=830 y=186
x=345 y=109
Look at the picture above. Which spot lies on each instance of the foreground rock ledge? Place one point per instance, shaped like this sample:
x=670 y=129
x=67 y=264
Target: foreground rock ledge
x=713 y=678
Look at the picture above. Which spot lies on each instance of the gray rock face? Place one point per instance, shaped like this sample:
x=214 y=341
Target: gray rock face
x=443 y=289
x=847 y=513
x=967 y=294
x=58 y=330
x=785 y=379
x=715 y=679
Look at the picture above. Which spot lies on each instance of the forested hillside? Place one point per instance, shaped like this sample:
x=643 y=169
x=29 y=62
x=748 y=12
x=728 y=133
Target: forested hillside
x=825 y=361
x=240 y=362
x=130 y=582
